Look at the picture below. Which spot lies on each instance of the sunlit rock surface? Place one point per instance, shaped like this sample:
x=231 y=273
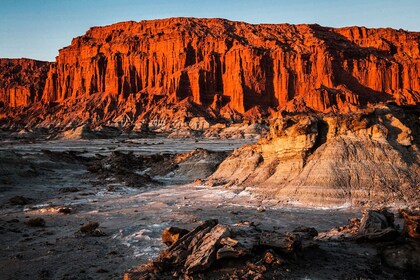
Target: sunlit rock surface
x=163 y=73
x=353 y=159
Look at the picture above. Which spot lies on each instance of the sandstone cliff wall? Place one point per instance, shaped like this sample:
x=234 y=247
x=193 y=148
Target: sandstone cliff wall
x=219 y=62
x=21 y=81
x=131 y=72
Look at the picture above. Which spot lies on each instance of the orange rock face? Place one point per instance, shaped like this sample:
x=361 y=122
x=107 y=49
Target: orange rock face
x=236 y=67
x=21 y=81
x=249 y=65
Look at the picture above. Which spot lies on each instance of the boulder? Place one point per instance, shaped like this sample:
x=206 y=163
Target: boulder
x=209 y=245
x=20 y=200
x=283 y=243
x=203 y=254
x=306 y=232
x=375 y=221
x=90 y=229
x=36 y=222
x=377 y=226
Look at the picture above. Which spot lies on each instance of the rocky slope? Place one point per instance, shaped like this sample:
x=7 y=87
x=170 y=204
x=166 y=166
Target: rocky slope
x=354 y=159
x=22 y=81
x=173 y=69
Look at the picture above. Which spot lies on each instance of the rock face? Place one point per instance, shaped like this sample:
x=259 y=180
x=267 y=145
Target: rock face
x=123 y=72
x=355 y=159
x=21 y=81
x=412 y=224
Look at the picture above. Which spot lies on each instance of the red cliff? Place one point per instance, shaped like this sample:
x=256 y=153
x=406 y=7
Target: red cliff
x=21 y=81
x=235 y=66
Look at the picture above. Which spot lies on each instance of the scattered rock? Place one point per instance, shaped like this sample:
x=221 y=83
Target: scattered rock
x=20 y=200
x=92 y=229
x=261 y=209
x=36 y=222
x=69 y=190
x=306 y=232
x=384 y=235
x=64 y=210
x=283 y=243
x=270 y=257
x=89 y=227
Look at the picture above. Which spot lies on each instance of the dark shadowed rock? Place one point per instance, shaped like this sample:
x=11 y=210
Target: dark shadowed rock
x=69 y=190
x=91 y=229
x=20 y=200
x=376 y=220
x=36 y=222
x=405 y=257
x=377 y=225
x=306 y=232
x=64 y=210
x=284 y=243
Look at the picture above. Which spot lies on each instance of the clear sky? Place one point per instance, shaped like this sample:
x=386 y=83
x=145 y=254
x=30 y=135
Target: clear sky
x=38 y=28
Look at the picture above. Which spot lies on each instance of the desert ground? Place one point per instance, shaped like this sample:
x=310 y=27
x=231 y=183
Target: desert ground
x=50 y=189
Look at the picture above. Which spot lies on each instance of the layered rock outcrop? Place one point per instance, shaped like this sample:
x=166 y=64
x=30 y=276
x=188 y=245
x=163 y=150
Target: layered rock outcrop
x=228 y=68
x=354 y=159
x=218 y=61
x=21 y=81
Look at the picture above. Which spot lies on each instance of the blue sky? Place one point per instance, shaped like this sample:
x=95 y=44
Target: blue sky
x=38 y=28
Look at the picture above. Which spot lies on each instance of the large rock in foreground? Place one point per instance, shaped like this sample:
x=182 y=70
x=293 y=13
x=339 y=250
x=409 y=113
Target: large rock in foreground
x=354 y=159
x=245 y=251
x=210 y=245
